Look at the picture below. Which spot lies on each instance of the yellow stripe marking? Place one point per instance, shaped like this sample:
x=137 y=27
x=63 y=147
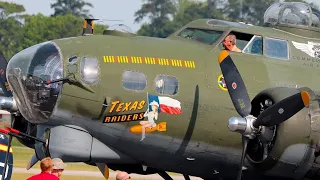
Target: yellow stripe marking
x=106 y=58
x=173 y=62
x=153 y=61
x=187 y=63
x=5 y=148
x=193 y=65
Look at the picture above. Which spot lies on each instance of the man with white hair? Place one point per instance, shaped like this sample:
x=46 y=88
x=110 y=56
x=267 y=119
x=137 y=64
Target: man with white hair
x=58 y=167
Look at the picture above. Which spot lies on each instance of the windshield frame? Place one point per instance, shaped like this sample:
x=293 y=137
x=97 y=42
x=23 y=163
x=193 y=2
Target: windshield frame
x=213 y=43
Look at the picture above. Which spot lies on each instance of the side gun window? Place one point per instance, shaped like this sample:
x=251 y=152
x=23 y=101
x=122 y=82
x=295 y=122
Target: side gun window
x=133 y=80
x=276 y=48
x=166 y=85
x=89 y=69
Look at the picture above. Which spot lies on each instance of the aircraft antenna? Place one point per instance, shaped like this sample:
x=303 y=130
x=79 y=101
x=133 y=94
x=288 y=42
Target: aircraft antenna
x=88 y=25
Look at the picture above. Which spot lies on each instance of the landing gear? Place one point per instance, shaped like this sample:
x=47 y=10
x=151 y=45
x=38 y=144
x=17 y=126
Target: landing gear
x=166 y=176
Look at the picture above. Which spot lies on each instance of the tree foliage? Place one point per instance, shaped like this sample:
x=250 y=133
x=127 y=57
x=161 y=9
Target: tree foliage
x=249 y=11
x=11 y=27
x=22 y=31
x=74 y=7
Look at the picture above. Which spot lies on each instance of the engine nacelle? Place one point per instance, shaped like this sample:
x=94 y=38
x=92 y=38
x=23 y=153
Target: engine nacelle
x=75 y=144
x=290 y=151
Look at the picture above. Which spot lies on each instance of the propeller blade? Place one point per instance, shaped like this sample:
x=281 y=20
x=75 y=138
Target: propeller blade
x=3 y=79
x=236 y=88
x=283 y=110
x=104 y=169
x=34 y=159
x=245 y=142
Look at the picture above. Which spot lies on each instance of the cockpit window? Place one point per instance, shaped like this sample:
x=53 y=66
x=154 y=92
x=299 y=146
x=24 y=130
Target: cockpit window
x=254 y=46
x=276 y=48
x=201 y=35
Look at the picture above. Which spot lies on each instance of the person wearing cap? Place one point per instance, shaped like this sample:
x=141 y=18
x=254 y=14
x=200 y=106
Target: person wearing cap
x=58 y=167
x=122 y=176
x=46 y=166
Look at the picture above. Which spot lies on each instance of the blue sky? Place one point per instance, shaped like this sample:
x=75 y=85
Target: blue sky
x=104 y=9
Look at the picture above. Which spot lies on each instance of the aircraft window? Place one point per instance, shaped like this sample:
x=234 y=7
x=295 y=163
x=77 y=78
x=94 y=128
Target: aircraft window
x=202 y=35
x=276 y=48
x=89 y=70
x=315 y=18
x=254 y=46
x=132 y=80
x=166 y=85
x=242 y=39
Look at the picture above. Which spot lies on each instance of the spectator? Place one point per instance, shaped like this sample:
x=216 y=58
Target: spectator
x=58 y=167
x=122 y=176
x=46 y=166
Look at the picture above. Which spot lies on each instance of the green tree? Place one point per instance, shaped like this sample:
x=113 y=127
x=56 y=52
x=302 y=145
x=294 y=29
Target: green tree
x=39 y=28
x=11 y=28
x=75 y=7
x=159 y=13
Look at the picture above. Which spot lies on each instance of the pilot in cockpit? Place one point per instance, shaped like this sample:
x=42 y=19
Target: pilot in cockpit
x=229 y=43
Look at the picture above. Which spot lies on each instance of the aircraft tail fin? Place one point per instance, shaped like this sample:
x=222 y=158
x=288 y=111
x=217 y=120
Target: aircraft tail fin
x=88 y=26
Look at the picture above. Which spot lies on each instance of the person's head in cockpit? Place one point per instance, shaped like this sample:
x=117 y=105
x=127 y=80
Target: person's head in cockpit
x=229 y=43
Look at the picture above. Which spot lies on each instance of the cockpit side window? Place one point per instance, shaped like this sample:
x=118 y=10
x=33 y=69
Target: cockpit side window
x=247 y=43
x=254 y=46
x=276 y=48
x=201 y=35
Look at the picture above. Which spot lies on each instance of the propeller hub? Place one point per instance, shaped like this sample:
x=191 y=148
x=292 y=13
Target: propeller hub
x=243 y=126
x=237 y=124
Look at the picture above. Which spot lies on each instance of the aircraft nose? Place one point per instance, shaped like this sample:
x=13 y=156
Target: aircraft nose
x=27 y=74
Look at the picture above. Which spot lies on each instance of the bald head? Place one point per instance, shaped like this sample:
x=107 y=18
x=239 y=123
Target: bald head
x=122 y=176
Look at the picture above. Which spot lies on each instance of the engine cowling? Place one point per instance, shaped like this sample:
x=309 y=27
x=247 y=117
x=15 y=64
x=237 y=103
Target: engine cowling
x=286 y=150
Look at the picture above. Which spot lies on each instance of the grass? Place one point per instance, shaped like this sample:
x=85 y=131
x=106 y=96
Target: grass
x=22 y=155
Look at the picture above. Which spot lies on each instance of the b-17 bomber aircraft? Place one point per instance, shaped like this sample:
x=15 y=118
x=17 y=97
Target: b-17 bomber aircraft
x=179 y=104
